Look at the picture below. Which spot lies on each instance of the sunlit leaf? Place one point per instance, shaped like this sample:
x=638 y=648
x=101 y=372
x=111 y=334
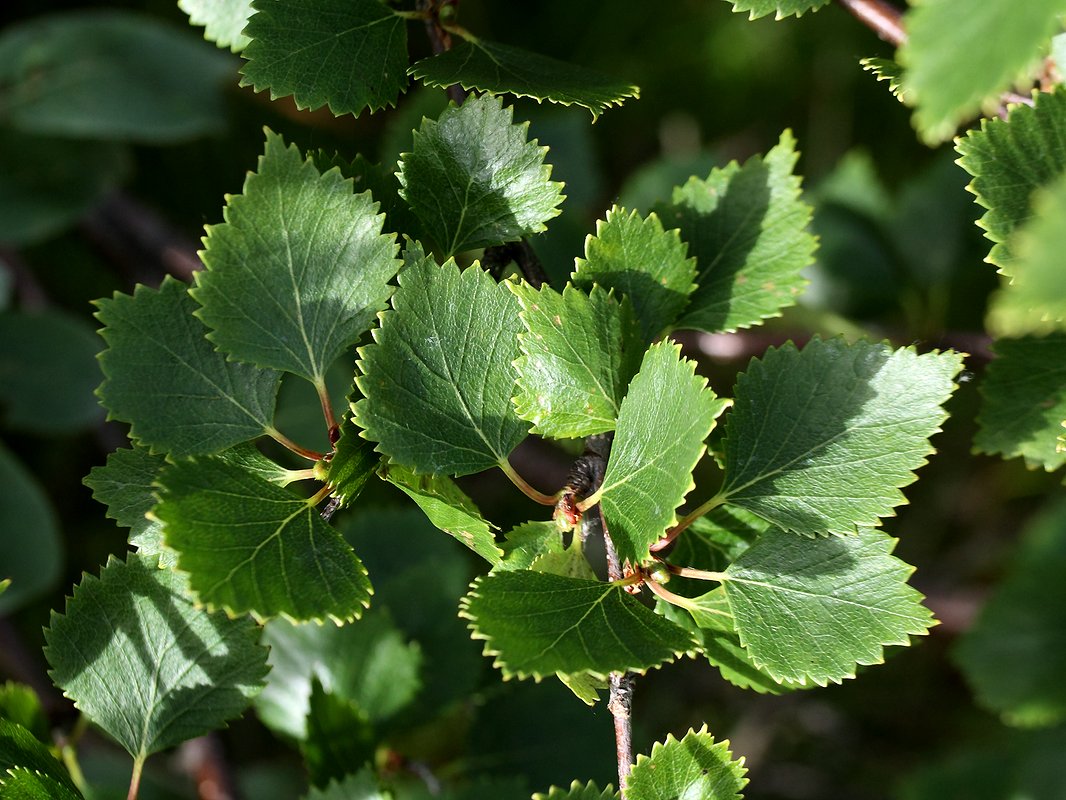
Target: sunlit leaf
x=694 y=766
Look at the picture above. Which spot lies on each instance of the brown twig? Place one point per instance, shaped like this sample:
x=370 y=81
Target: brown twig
x=880 y=16
x=497 y=257
x=439 y=38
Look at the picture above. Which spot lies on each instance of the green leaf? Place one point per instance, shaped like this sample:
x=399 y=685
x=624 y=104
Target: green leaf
x=949 y=77
x=1034 y=301
x=577 y=791
x=380 y=181
x=695 y=766
x=501 y=69
x=579 y=352
x=183 y=672
x=360 y=786
x=648 y=265
x=20 y=704
x=251 y=546
x=31 y=551
x=339 y=737
x=47 y=184
x=354 y=462
x=1014 y=656
x=367 y=663
x=248 y=458
x=661 y=427
x=448 y=508
x=539 y=624
x=1024 y=406
x=222 y=20
x=347 y=54
x=437 y=381
x=810 y=611
x=473 y=179
x=747 y=228
x=21 y=783
x=527 y=542
x=710 y=619
x=1009 y=159
x=716 y=540
x=162 y=376
x=586 y=687
x=821 y=440
x=126 y=485
x=47 y=372
x=885 y=69
x=111 y=75
x=779 y=8
x=299 y=269
x=19 y=748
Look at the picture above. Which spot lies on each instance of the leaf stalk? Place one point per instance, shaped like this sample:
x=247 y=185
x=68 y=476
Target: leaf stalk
x=533 y=494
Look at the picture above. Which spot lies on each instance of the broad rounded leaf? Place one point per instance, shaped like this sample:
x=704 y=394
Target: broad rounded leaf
x=367 y=663
x=161 y=375
x=821 y=440
x=1009 y=159
x=437 y=381
x=538 y=624
x=251 y=546
x=661 y=427
x=577 y=791
x=147 y=665
x=31 y=551
x=648 y=265
x=299 y=269
x=47 y=373
x=747 y=228
x=779 y=8
x=498 y=68
x=447 y=507
x=126 y=485
x=810 y=611
x=347 y=54
x=473 y=178
x=695 y=766
x=579 y=352
x=1015 y=654
x=222 y=20
x=949 y=75
x=1024 y=404
x=20 y=750
x=20 y=704
x=108 y=74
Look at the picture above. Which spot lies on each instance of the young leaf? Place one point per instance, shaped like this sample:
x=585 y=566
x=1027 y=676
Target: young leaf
x=695 y=766
x=162 y=376
x=20 y=749
x=126 y=485
x=437 y=381
x=47 y=373
x=949 y=78
x=502 y=69
x=810 y=611
x=538 y=624
x=147 y=665
x=1015 y=655
x=779 y=8
x=251 y=546
x=885 y=69
x=111 y=75
x=347 y=54
x=1024 y=405
x=360 y=786
x=448 y=508
x=473 y=179
x=527 y=543
x=31 y=550
x=821 y=440
x=354 y=462
x=222 y=20
x=661 y=427
x=1009 y=159
x=1034 y=302
x=638 y=258
x=367 y=663
x=747 y=228
x=299 y=269
x=589 y=791
x=579 y=352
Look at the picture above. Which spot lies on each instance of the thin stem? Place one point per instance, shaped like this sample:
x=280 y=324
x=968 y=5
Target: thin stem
x=621 y=708
x=285 y=441
x=674 y=599
x=319 y=496
x=880 y=16
x=498 y=256
x=440 y=39
x=135 y=778
x=332 y=428
x=687 y=520
x=698 y=574
x=68 y=752
x=527 y=490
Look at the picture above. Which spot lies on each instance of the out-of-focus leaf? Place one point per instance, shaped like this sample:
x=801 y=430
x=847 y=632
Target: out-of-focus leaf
x=222 y=20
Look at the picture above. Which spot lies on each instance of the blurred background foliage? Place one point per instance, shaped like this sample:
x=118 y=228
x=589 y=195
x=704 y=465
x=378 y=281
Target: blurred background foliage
x=115 y=188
